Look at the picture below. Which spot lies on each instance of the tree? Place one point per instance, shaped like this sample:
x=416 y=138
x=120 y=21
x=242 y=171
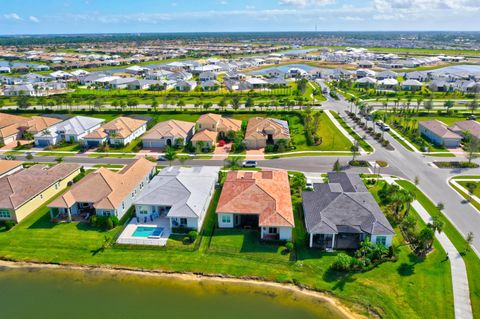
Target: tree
x=428 y=105
x=448 y=105
x=236 y=102
x=337 y=167
x=181 y=104
x=469 y=238
x=249 y=102
x=23 y=102
x=425 y=240
x=472 y=146
x=471 y=187
x=132 y=103
x=440 y=206
x=437 y=224
x=233 y=162
x=473 y=105
x=354 y=149
x=98 y=104
x=222 y=103
x=154 y=104
x=170 y=154
x=207 y=105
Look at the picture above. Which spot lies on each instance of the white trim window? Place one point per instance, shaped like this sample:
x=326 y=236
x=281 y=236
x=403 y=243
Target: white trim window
x=226 y=219
x=381 y=240
x=5 y=214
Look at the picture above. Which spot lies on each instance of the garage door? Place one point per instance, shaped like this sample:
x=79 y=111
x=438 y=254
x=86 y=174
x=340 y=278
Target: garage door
x=153 y=144
x=42 y=143
x=93 y=143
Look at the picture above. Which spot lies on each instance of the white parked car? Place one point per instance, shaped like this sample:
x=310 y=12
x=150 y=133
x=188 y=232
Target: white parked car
x=249 y=164
x=309 y=184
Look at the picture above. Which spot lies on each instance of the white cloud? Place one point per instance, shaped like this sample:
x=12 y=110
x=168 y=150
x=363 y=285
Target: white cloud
x=12 y=16
x=350 y=18
x=305 y=3
x=33 y=19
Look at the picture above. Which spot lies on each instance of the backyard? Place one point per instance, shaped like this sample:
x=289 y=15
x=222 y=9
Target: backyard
x=408 y=288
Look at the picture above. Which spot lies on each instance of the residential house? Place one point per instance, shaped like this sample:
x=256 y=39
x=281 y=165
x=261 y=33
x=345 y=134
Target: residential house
x=411 y=85
x=257 y=199
x=210 y=85
x=205 y=139
x=25 y=191
x=185 y=86
x=8 y=167
x=218 y=123
x=20 y=90
x=9 y=127
x=387 y=84
x=366 y=82
x=103 y=192
x=71 y=130
x=466 y=127
x=438 y=133
x=180 y=195
x=168 y=133
x=342 y=213
x=207 y=76
x=263 y=131
x=120 y=131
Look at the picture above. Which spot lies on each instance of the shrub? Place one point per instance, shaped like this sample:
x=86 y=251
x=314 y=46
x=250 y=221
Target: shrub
x=289 y=246
x=192 y=235
x=343 y=262
x=109 y=223
x=8 y=224
x=186 y=240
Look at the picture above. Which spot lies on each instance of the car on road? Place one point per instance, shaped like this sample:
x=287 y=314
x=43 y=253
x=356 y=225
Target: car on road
x=472 y=117
x=249 y=164
x=385 y=127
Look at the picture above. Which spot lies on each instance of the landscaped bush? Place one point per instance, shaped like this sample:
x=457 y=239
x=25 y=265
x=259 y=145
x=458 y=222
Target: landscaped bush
x=289 y=246
x=367 y=256
x=359 y=163
x=7 y=224
x=182 y=230
x=104 y=222
x=192 y=235
x=456 y=164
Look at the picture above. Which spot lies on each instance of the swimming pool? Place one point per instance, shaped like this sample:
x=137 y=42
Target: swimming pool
x=147 y=232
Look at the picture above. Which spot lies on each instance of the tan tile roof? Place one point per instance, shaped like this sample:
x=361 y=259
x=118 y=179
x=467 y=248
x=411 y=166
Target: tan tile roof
x=205 y=136
x=473 y=127
x=124 y=126
x=9 y=124
x=6 y=166
x=266 y=193
x=439 y=129
x=97 y=134
x=104 y=188
x=38 y=123
x=168 y=128
x=18 y=188
x=209 y=117
x=257 y=126
x=223 y=123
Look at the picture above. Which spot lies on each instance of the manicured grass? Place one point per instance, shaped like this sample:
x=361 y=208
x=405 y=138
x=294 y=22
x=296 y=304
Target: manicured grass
x=407 y=288
x=465 y=194
x=111 y=155
x=363 y=144
x=472 y=261
x=477 y=190
x=53 y=153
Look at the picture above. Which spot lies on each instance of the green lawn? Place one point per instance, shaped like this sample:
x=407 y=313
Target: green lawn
x=407 y=288
x=363 y=144
x=477 y=190
x=472 y=261
x=466 y=195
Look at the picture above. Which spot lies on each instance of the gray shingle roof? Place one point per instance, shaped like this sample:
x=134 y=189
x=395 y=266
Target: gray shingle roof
x=344 y=206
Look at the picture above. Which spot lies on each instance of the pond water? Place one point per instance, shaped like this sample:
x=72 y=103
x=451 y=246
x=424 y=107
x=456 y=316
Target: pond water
x=57 y=293
x=459 y=68
x=7 y=63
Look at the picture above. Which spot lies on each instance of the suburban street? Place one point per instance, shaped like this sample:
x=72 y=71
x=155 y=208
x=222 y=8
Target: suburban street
x=403 y=163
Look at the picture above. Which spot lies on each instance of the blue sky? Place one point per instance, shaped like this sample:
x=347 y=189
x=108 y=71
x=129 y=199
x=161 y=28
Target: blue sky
x=95 y=16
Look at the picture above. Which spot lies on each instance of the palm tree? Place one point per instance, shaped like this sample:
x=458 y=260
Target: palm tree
x=170 y=154
x=419 y=101
x=354 y=149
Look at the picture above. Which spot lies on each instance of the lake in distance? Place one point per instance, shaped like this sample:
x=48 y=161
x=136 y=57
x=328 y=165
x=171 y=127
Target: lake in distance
x=57 y=293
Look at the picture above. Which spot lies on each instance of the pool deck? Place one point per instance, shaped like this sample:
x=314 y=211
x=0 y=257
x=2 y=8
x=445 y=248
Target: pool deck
x=126 y=237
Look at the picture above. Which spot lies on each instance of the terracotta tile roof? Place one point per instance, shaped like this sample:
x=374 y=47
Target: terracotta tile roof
x=169 y=128
x=104 y=188
x=38 y=123
x=6 y=166
x=97 y=134
x=205 y=136
x=266 y=193
x=258 y=127
x=124 y=126
x=20 y=187
x=9 y=124
x=223 y=123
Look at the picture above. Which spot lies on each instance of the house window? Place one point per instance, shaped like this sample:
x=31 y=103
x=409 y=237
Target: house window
x=4 y=214
x=381 y=240
x=183 y=221
x=123 y=205
x=41 y=196
x=107 y=213
x=56 y=185
x=273 y=230
x=226 y=219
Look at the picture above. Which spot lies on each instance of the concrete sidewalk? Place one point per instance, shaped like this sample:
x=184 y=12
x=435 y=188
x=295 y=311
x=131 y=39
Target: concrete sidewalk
x=461 y=290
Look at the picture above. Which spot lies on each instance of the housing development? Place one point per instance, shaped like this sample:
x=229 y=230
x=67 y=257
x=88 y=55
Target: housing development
x=328 y=174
